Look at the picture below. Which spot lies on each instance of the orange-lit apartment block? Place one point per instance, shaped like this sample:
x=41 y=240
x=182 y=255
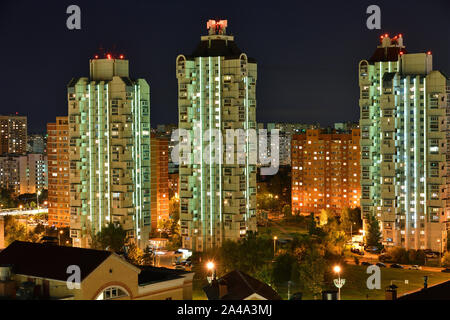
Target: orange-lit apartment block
x=325 y=171
x=159 y=179
x=58 y=173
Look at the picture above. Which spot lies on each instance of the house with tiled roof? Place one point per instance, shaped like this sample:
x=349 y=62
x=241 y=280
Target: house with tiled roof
x=238 y=285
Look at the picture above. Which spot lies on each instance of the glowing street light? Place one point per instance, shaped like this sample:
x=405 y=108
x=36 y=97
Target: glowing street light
x=274 y=244
x=339 y=283
x=211 y=267
x=59 y=236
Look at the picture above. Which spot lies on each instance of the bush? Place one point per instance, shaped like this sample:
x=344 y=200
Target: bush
x=401 y=255
x=446 y=259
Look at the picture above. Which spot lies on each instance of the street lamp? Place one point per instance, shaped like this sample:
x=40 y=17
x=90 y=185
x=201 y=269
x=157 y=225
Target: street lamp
x=37 y=198
x=339 y=283
x=274 y=244
x=211 y=267
x=440 y=252
x=59 y=236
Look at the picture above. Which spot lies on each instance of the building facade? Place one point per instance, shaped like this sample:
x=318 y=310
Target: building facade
x=13 y=134
x=216 y=90
x=325 y=171
x=58 y=173
x=23 y=173
x=36 y=143
x=109 y=137
x=160 y=179
x=403 y=104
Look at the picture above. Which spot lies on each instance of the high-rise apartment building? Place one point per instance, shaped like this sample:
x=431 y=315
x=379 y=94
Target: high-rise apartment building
x=23 y=173
x=13 y=134
x=58 y=173
x=36 y=143
x=325 y=171
x=286 y=130
x=403 y=105
x=109 y=137
x=216 y=90
x=160 y=179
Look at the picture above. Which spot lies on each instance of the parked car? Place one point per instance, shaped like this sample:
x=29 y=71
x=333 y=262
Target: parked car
x=365 y=263
x=373 y=249
x=414 y=267
x=396 y=266
x=357 y=251
x=447 y=270
x=384 y=258
x=381 y=265
x=179 y=267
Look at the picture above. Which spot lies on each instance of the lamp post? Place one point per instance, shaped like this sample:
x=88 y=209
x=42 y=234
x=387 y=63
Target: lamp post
x=440 y=252
x=274 y=245
x=59 y=236
x=211 y=267
x=38 y=193
x=339 y=283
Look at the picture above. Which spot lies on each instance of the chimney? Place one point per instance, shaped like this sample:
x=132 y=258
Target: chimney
x=391 y=292
x=223 y=289
x=425 y=282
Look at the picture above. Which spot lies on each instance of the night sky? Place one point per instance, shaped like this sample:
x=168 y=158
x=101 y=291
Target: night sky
x=307 y=52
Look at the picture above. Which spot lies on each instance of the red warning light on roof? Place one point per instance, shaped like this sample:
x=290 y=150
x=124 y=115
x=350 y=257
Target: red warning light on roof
x=108 y=56
x=96 y=56
x=121 y=56
x=401 y=52
x=429 y=52
x=400 y=35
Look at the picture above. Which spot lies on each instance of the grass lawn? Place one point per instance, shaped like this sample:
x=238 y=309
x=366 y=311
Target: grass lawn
x=283 y=229
x=197 y=289
x=355 y=287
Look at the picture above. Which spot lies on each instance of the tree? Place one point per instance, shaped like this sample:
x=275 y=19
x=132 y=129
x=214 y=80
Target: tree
x=351 y=219
x=7 y=199
x=148 y=256
x=446 y=259
x=265 y=274
x=398 y=255
x=323 y=219
x=312 y=267
x=112 y=237
x=373 y=232
x=134 y=254
x=248 y=254
x=14 y=230
x=283 y=268
x=312 y=227
x=287 y=212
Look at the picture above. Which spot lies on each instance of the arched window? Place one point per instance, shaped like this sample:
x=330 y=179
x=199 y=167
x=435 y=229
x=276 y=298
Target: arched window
x=112 y=293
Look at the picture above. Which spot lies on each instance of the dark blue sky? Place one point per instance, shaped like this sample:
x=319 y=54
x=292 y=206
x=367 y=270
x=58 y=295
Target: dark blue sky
x=307 y=52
